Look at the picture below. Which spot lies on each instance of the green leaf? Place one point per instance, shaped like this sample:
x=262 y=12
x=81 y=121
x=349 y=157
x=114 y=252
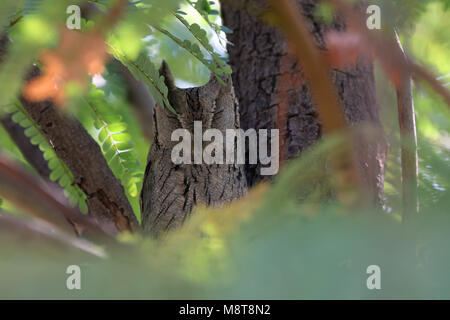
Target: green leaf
x=117 y=127
x=30 y=132
x=226 y=30
x=55 y=175
x=103 y=134
x=125 y=145
x=121 y=137
x=64 y=181
x=143 y=69
x=37 y=139
x=18 y=117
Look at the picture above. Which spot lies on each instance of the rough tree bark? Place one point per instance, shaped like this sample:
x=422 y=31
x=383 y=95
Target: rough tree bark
x=171 y=190
x=272 y=92
x=30 y=152
x=106 y=198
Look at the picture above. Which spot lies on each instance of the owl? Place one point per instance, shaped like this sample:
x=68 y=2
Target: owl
x=172 y=189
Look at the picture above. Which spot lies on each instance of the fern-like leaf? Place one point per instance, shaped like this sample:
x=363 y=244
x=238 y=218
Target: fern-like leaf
x=59 y=171
x=116 y=143
x=202 y=37
x=143 y=69
x=194 y=50
x=203 y=7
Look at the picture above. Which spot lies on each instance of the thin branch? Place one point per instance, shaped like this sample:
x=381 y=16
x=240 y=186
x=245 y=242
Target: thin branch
x=308 y=55
x=36 y=198
x=30 y=152
x=322 y=89
x=386 y=49
x=428 y=77
x=408 y=138
x=33 y=230
x=140 y=99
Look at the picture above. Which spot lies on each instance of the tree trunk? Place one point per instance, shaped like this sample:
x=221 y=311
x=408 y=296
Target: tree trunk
x=170 y=190
x=272 y=92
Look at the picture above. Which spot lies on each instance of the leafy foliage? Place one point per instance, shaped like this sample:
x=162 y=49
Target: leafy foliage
x=194 y=49
x=116 y=143
x=7 y=12
x=205 y=8
x=36 y=31
x=269 y=245
x=202 y=37
x=143 y=69
x=59 y=171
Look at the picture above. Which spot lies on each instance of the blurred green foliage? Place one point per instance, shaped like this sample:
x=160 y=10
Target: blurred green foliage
x=132 y=42
x=268 y=245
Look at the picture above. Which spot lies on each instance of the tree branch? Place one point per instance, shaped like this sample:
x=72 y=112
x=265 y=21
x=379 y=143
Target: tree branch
x=39 y=201
x=72 y=144
x=106 y=198
x=37 y=231
x=141 y=100
x=30 y=152
x=385 y=48
x=408 y=138
x=323 y=93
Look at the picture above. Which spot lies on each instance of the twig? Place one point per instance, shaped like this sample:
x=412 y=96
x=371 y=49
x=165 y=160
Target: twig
x=36 y=198
x=408 y=139
x=395 y=62
x=323 y=92
x=36 y=230
x=30 y=152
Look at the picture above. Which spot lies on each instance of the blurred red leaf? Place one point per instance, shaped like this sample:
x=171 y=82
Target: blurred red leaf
x=344 y=48
x=78 y=55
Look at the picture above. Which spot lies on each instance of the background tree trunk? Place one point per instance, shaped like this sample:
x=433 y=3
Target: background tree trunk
x=272 y=92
